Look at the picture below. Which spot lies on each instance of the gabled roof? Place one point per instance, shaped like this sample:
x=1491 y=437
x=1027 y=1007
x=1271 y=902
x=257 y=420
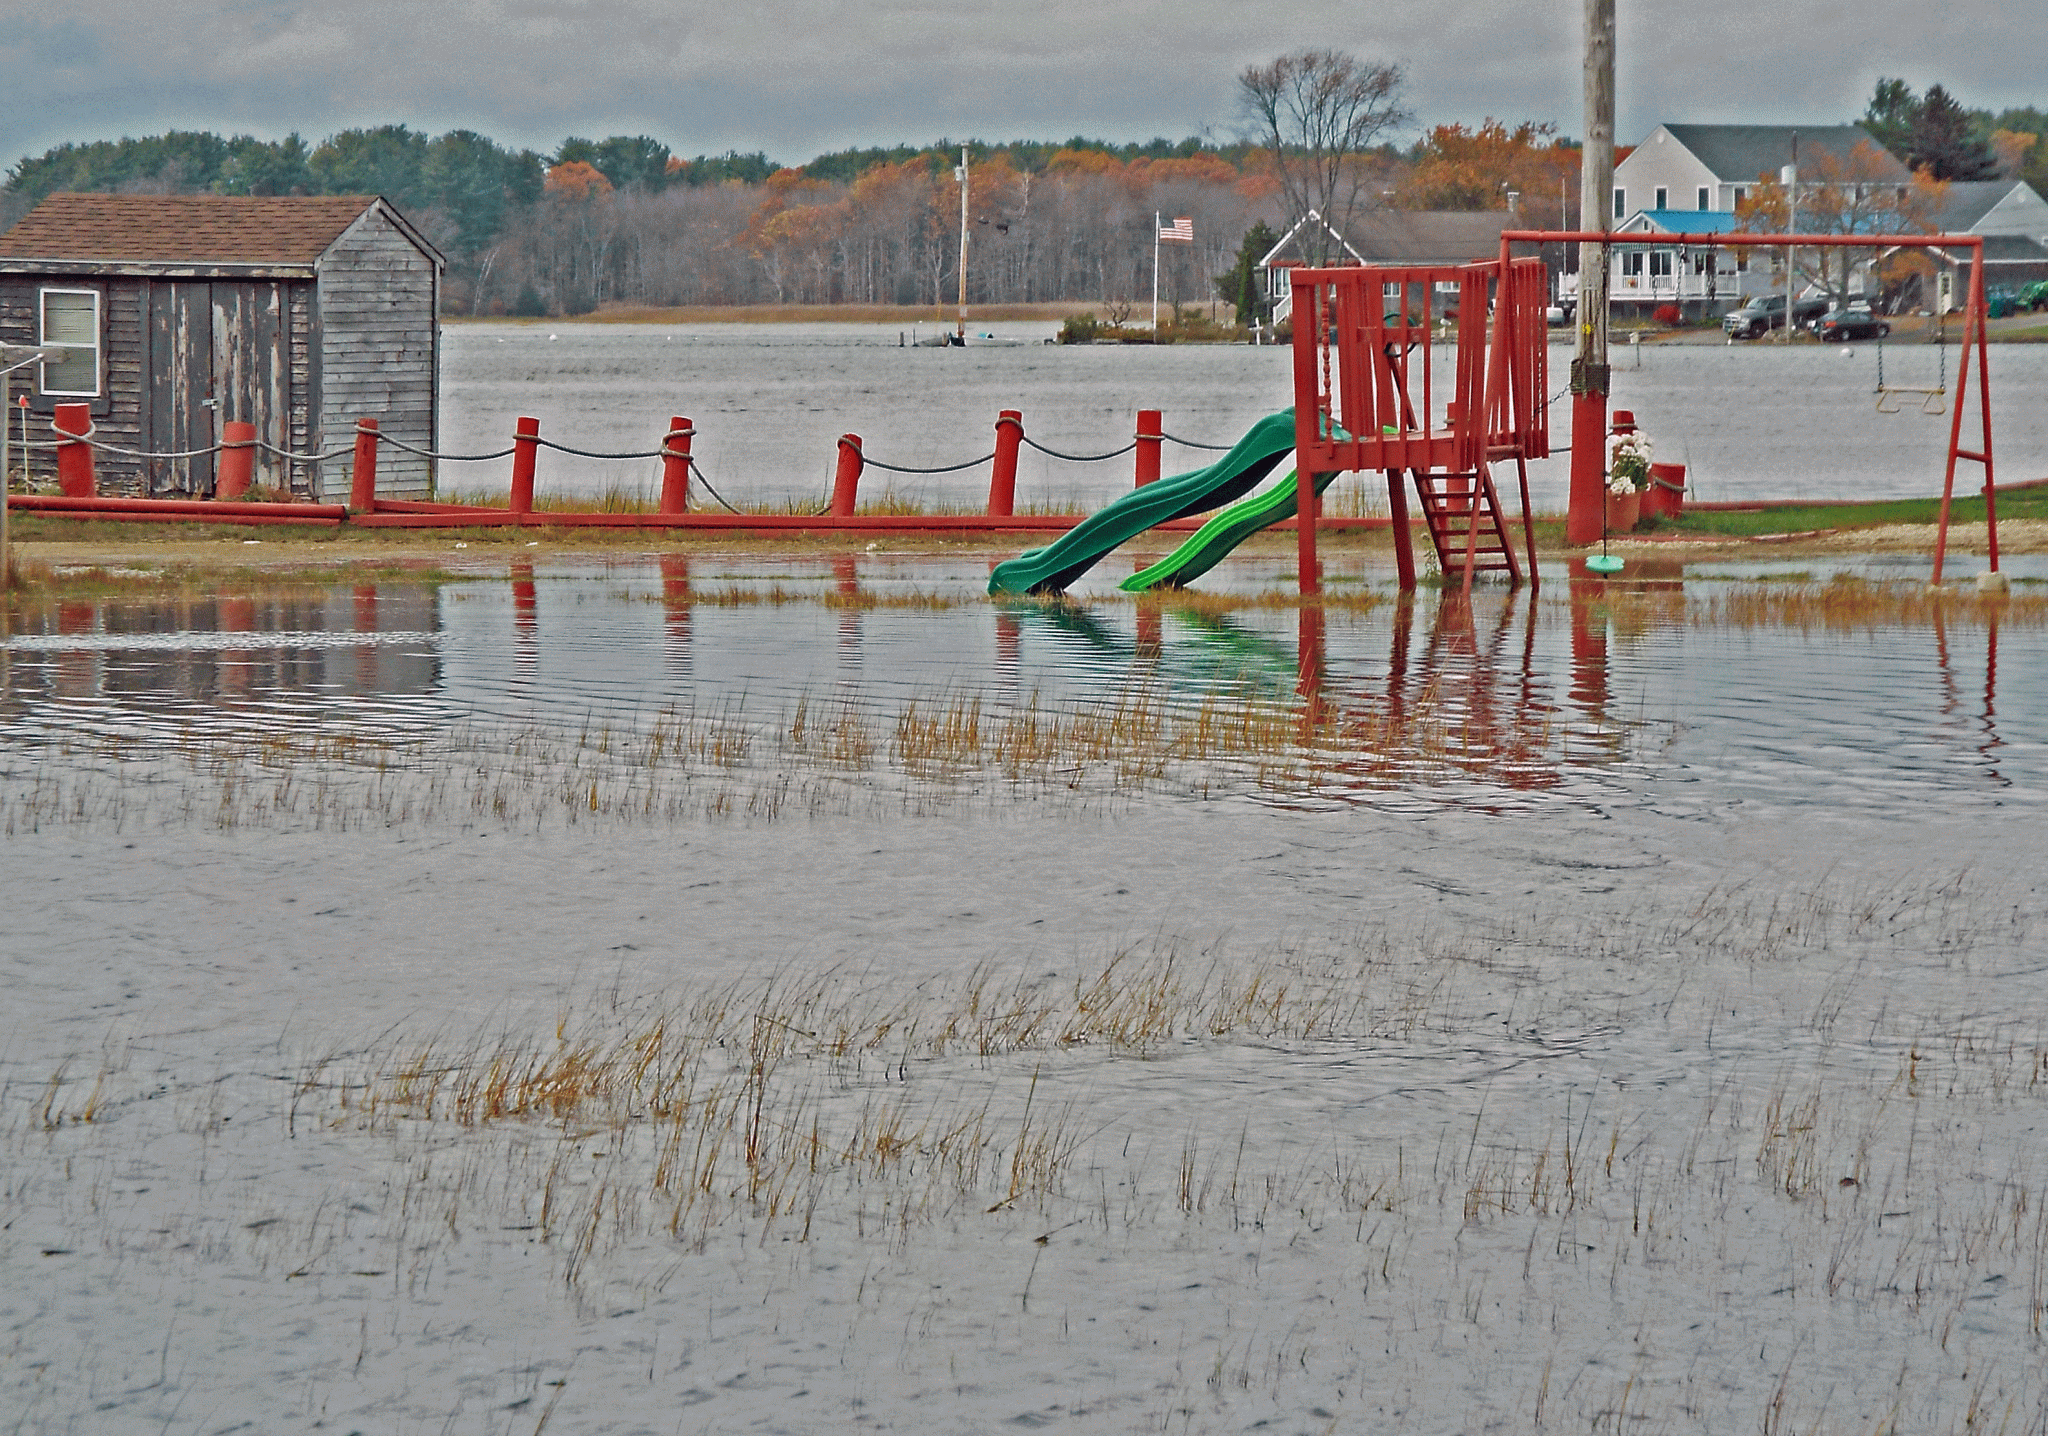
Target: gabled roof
x=1969 y=202
x=1312 y=217
x=1415 y=236
x=139 y=232
x=1737 y=154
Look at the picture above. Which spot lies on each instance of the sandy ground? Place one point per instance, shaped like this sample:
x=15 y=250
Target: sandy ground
x=2015 y=536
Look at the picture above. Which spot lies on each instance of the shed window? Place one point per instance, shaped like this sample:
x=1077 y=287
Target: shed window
x=1620 y=203
x=71 y=322
x=1663 y=198
x=1703 y=199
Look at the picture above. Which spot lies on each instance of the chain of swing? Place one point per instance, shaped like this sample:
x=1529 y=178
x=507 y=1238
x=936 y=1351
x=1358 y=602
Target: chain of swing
x=1932 y=401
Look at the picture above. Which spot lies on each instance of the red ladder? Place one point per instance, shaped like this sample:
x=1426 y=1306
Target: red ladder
x=1465 y=523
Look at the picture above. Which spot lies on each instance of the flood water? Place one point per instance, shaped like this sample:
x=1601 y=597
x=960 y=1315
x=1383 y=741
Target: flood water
x=1619 y=1005
x=770 y=401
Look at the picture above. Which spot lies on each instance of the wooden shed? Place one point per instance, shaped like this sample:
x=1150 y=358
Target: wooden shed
x=180 y=313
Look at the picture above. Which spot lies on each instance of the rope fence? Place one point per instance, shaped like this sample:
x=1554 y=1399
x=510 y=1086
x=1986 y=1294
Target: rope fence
x=241 y=445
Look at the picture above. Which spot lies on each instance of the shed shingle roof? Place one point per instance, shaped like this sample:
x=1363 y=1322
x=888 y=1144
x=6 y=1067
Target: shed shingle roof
x=183 y=229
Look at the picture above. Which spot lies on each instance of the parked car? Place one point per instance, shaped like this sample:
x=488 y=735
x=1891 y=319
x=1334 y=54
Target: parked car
x=1767 y=312
x=1855 y=322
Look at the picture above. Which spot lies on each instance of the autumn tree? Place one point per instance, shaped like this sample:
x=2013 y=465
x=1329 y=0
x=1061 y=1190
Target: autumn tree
x=1854 y=194
x=1317 y=113
x=1468 y=169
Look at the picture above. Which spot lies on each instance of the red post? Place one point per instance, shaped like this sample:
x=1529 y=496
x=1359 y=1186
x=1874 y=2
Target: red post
x=1151 y=432
x=846 y=479
x=74 y=456
x=362 y=488
x=1002 y=483
x=1586 y=509
x=237 y=460
x=524 y=451
x=675 y=466
x=1308 y=569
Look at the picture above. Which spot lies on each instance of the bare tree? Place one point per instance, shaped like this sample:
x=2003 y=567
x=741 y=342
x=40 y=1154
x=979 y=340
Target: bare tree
x=1318 y=112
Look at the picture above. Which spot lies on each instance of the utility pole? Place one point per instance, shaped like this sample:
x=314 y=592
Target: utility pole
x=960 y=332
x=1790 y=175
x=1586 y=515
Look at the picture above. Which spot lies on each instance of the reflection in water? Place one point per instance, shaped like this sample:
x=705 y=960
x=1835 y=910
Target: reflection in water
x=675 y=614
x=846 y=575
x=349 y=654
x=525 y=629
x=1500 y=691
x=1988 y=741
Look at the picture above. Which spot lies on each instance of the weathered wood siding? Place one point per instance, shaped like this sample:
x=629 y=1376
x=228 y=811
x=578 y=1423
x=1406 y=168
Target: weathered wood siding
x=180 y=385
x=379 y=351
x=117 y=414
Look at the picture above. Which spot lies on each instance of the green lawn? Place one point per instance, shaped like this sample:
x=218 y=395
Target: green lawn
x=2026 y=503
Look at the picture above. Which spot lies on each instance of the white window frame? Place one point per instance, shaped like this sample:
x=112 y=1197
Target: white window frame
x=1660 y=264
x=43 y=331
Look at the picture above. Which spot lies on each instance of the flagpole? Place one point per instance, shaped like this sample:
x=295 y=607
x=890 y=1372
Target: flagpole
x=1155 y=272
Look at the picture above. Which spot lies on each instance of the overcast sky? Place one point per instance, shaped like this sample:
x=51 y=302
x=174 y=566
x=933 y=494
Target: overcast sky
x=798 y=77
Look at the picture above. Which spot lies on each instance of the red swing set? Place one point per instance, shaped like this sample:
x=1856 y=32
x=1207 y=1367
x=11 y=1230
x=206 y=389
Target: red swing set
x=1365 y=396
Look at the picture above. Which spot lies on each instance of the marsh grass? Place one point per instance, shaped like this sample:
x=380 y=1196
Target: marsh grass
x=819 y=755
x=1329 y=1133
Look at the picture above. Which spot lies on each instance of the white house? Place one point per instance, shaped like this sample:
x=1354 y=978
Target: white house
x=1688 y=179
x=1393 y=237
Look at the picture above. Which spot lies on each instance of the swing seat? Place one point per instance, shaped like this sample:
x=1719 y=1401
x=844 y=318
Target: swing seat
x=1932 y=401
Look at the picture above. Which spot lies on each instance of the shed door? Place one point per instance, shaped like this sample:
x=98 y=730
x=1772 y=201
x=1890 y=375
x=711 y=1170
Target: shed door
x=252 y=367
x=181 y=396
x=218 y=350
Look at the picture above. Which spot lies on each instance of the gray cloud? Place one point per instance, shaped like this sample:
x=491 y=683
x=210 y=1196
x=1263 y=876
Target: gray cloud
x=795 y=77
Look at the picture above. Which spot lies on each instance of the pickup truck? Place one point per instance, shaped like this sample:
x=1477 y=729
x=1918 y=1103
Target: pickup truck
x=1767 y=312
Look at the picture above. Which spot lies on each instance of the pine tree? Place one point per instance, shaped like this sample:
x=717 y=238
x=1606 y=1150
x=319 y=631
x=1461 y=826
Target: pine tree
x=1945 y=144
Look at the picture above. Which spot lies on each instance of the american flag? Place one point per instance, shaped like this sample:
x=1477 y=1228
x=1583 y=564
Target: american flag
x=1181 y=230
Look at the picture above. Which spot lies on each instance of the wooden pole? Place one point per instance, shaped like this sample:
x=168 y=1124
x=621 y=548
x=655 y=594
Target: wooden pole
x=1151 y=436
x=237 y=459
x=1586 y=508
x=362 y=479
x=74 y=456
x=525 y=450
x=675 y=466
x=1002 y=481
x=846 y=477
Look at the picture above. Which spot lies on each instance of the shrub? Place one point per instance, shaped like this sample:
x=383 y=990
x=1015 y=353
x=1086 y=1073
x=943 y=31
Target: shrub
x=1667 y=315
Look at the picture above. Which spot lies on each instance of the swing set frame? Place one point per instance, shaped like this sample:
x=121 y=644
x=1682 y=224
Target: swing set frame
x=1975 y=342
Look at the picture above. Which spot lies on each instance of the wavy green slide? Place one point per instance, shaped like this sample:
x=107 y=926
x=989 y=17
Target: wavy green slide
x=1059 y=563
x=1223 y=533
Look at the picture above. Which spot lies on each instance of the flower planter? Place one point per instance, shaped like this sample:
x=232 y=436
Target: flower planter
x=1665 y=497
x=1624 y=511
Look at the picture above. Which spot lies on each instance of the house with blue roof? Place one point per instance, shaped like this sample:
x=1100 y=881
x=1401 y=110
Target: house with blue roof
x=1688 y=179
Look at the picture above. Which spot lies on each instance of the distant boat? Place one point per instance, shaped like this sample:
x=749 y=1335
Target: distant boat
x=986 y=340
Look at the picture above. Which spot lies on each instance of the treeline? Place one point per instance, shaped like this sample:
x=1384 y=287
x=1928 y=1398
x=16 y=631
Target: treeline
x=1937 y=135
x=626 y=221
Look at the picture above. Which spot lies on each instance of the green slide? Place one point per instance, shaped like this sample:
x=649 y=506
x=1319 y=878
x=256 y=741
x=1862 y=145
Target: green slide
x=1222 y=534
x=1059 y=563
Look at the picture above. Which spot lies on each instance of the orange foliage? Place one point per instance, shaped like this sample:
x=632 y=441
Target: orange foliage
x=1084 y=162
x=1201 y=169
x=576 y=180
x=1468 y=169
